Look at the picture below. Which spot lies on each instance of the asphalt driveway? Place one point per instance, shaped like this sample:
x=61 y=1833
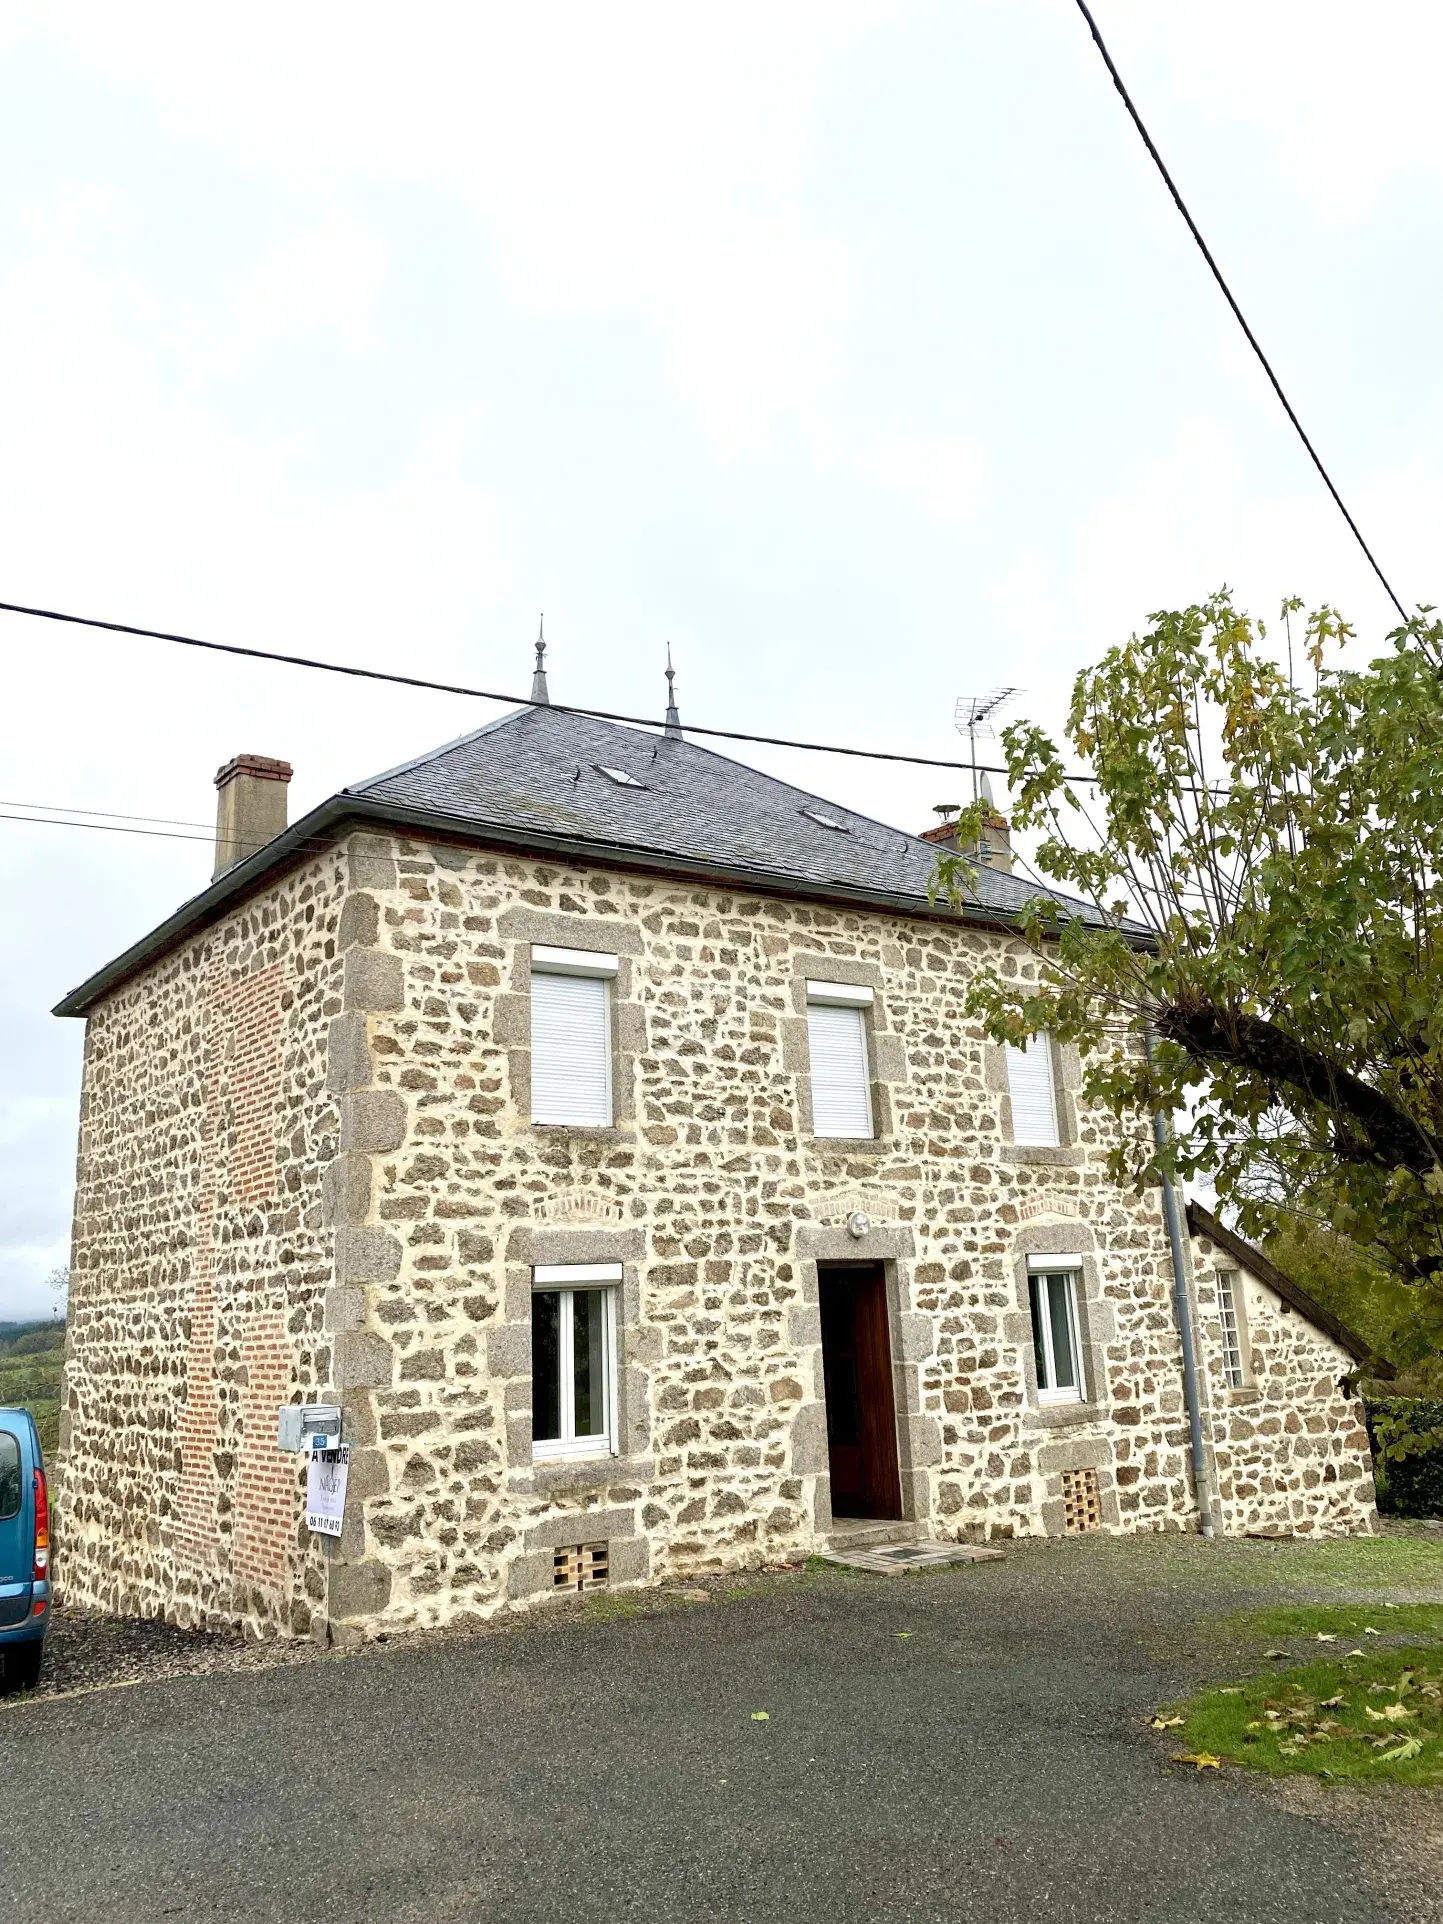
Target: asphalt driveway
x=964 y=1744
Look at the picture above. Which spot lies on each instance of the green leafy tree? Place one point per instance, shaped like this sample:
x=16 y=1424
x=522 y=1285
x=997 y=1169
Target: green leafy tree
x=1262 y=839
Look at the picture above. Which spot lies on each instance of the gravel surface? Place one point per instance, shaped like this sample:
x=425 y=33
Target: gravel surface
x=950 y=1745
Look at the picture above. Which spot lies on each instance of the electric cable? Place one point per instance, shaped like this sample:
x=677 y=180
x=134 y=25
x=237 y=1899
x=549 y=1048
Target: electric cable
x=488 y=694
x=1217 y=274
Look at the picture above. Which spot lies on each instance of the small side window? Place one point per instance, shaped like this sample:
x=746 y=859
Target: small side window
x=1230 y=1317
x=10 y=1486
x=1055 y=1345
x=1034 y=1098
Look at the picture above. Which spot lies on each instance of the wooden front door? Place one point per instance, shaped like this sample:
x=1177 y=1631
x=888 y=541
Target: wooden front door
x=857 y=1372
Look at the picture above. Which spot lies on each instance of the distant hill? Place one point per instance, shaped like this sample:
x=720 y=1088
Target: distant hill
x=30 y=1358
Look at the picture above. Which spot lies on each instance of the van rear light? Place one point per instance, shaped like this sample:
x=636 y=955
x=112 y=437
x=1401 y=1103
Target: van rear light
x=42 y=1528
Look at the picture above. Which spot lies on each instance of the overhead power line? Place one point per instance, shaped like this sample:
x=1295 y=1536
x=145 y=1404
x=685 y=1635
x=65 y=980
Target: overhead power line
x=1228 y=296
x=486 y=694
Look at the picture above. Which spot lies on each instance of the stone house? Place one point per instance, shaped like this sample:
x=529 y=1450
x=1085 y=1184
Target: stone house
x=596 y=1121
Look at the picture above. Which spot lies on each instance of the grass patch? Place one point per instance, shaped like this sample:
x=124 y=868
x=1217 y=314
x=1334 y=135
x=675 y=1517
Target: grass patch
x=601 y=1608
x=1371 y=1718
x=1353 y=1620
x=1385 y=1563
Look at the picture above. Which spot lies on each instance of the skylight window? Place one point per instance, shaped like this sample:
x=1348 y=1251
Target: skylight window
x=826 y=821
x=619 y=776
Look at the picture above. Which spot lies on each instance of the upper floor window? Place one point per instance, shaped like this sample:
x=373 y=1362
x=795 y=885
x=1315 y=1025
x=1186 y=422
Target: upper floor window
x=573 y=1359
x=841 y=1079
x=1234 y=1371
x=1052 y=1298
x=1034 y=1097
x=571 y=1036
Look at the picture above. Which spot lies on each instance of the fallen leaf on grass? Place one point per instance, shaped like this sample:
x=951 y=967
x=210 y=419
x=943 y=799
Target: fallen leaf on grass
x=1405 y=1748
x=1202 y=1759
x=1331 y=1703
x=1280 y=1653
x=1355 y=1653
x=1389 y=1714
x=1327 y=1636
x=1167 y=1723
x=1369 y=1631
x=1231 y=1690
x=761 y=1716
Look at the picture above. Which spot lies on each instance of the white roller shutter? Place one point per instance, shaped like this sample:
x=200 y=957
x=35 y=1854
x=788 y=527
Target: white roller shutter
x=1034 y=1101
x=570 y=1050
x=841 y=1097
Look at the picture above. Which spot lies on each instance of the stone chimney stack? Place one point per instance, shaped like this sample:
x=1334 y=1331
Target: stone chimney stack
x=996 y=849
x=250 y=807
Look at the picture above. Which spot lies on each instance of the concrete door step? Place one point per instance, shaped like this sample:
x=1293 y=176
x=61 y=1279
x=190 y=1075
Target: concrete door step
x=891 y=1559
x=862 y=1532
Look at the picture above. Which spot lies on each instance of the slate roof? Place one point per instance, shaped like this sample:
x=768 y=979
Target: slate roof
x=541 y=769
x=534 y=781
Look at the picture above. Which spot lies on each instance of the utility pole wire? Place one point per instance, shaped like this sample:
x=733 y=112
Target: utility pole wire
x=485 y=694
x=1217 y=275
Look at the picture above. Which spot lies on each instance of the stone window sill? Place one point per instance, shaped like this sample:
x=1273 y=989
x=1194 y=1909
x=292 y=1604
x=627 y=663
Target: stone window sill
x=1245 y=1393
x=850 y=1145
x=1065 y=1156
x=583 y=1132
x=1062 y=1416
x=559 y=1474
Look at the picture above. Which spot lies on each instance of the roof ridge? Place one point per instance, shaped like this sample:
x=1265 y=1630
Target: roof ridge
x=431 y=754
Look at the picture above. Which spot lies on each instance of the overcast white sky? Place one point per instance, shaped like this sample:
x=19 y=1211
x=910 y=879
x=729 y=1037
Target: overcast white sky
x=852 y=347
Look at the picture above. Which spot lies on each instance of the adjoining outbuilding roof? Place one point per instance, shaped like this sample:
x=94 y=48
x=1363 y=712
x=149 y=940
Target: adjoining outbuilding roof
x=1203 y=1223
x=548 y=781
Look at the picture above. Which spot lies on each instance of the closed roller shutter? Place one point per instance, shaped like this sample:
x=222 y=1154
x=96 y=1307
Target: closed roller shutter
x=841 y=1098
x=1034 y=1101
x=570 y=1051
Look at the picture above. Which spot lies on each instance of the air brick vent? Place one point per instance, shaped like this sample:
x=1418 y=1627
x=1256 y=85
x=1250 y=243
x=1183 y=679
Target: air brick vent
x=580 y=1566
x=1081 y=1502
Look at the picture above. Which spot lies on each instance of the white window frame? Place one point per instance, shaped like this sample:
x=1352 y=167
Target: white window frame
x=566 y=1279
x=1232 y=1321
x=1070 y=1268
x=843 y=995
x=596 y=965
x=1039 y=1050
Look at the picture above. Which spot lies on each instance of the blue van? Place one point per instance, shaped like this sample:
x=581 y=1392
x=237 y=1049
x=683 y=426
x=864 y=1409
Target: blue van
x=24 y=1551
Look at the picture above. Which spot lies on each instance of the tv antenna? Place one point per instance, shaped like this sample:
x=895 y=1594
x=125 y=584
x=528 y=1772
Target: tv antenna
x=974 y=720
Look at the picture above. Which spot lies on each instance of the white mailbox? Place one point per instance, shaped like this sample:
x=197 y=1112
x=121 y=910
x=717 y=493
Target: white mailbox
x=304 y=1427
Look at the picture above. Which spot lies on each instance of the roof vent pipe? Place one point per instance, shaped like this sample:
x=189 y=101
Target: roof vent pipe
x=250 y=808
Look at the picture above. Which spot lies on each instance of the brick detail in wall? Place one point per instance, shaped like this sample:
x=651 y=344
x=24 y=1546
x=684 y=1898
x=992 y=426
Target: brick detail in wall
x=241 y=1053
x=266 y=1488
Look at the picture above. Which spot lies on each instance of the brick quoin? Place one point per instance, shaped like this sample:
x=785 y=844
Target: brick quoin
x=242 y=1078
x=266 y=1487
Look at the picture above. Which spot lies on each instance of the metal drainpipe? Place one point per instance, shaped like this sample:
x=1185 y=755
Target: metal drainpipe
x=1182 y=1301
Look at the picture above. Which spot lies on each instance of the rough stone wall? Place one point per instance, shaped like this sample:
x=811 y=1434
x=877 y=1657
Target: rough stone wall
x=1289 y=1445
x=308 y=1170
x=718 y=1204
x=199 y=1264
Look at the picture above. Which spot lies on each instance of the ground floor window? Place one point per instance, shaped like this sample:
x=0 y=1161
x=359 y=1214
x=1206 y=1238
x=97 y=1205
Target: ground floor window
x=1053 y=1293
x=573 y=1359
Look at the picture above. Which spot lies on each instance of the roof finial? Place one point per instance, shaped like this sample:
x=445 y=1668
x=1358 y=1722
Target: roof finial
x=538 y=679
x=673 y=720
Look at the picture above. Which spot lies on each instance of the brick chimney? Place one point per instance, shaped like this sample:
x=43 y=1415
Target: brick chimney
x=250 y=808
x=996 y=850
